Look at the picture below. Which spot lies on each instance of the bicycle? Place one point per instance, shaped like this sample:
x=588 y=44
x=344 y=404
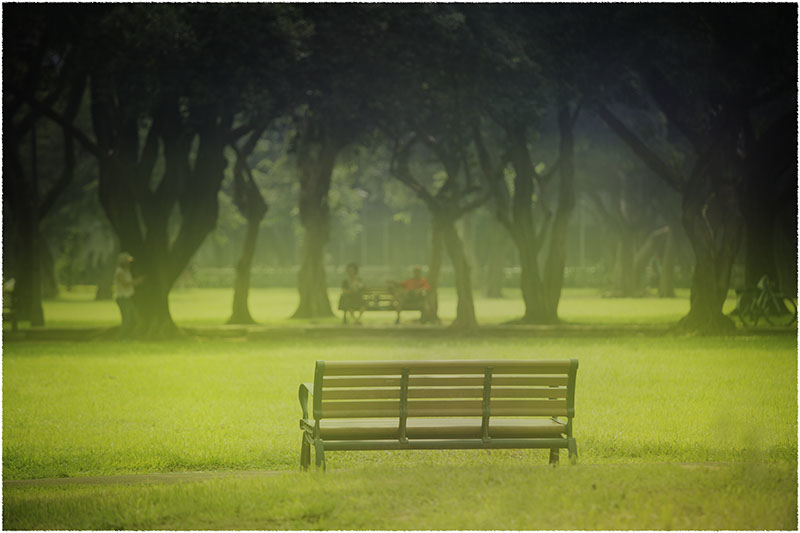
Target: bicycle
x=762 y=301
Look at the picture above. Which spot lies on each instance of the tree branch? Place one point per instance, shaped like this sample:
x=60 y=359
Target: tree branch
x=400 y=170
x=495 y=179
x=648 y=157
x=59 y=119
x=68 y=172
x=669 y=100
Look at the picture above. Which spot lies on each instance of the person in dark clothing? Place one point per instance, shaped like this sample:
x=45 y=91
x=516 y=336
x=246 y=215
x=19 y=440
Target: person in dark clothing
x=350 y=301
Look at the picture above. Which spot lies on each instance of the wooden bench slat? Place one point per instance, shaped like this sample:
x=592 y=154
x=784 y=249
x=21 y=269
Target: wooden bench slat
x=360 y=382
x=529 y=407
x=454 y=367
x=445 y=381
x=526 y=392
x=358 y=394
x=379 y=409
x=443 y=392
x=363 y=409
x=437 y=428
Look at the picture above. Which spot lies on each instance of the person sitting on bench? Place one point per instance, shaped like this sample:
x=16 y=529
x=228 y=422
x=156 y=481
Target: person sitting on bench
x=413 y=293
x=350 y=300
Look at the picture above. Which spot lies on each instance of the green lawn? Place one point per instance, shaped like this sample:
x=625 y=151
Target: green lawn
x=205 y=307
x=644 y=405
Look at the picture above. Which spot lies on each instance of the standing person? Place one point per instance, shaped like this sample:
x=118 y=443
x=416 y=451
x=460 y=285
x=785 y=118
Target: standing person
x=124 y=287
x=350 y=301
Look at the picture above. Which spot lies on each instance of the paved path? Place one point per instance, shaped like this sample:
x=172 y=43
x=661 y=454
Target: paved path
x=128 y=479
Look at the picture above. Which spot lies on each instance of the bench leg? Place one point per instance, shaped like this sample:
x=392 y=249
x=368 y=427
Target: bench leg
x=319 y=450
x=305 y=453
x=554 y=456
x=572 y=446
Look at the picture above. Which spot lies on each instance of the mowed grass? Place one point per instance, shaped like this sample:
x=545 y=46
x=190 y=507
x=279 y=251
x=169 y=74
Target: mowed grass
x=432 y=497
x=104 y=408
x=673 y=432
x=274 y=306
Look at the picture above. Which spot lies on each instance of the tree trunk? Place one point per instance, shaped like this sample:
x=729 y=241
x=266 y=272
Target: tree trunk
x=106 y=282
x=241 y=285
x=153 y=318
x=714 y=225
x=467 y=231
x=435 y=268
x=251 y=204
x=314 y=172
x=623 y=265
x=29 y=285
x=495 y=265
x=557 y=255
x=465 y=308
x=759 y=251
x=140 y=213
x=311 y=279
x=531 y=285
x=524 y=231
x=666 y=278
x=642 y=258
x=28 y=289
x=48 y=271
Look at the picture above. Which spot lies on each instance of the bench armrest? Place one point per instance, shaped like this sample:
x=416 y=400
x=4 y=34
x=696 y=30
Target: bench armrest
x=306 y=390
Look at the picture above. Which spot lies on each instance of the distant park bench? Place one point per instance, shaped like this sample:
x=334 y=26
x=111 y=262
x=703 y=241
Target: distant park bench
x=385 y=299
x=450 y=404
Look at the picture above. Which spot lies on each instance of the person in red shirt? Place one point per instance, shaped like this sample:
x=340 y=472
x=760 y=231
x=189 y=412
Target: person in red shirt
x=413 y=293
x=417 y=285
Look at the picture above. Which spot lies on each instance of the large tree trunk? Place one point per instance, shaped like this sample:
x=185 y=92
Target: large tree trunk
x=311 y=280
x=531 y=284
x=251 y=204
x=28 y=288
x=557 y=255
x=759 y=211
x=714 y=225
x=769 y=187
x=314 y=172
x=140 y=212
x=495 y=264
x=524 y=232
x=465 y=308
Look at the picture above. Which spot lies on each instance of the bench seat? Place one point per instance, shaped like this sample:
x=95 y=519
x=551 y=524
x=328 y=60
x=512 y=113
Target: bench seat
x=438 y=428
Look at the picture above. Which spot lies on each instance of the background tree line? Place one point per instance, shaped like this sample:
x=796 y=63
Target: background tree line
x=491 y=134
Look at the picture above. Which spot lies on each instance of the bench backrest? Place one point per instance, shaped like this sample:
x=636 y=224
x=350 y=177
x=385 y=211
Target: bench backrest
x=446 y=388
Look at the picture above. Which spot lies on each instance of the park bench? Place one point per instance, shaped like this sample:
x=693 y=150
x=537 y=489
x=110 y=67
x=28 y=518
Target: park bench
x=449 y=404
x=385 y=299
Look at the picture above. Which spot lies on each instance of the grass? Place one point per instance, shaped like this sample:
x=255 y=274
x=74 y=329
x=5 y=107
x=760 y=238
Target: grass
x=206 y=307
x=385 y=497
x=102 y=408
x=646 y=406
